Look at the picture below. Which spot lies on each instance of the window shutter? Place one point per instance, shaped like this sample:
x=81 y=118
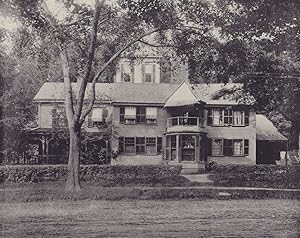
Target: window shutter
x=209 y=117
x=153 y=78
x=104 y=114
x=159 y=145
x=54 y=118
x=121 y=144
x=90 y=121
x=246 y=117
x=209 y=147
x=122 y=73
x=143 y=73
x=122 y=113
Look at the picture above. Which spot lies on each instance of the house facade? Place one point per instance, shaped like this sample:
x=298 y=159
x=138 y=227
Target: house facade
x=138 y=119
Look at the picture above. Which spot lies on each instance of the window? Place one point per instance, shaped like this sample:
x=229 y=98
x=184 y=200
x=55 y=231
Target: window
x=151 y=115
x=150 y=145
x=227 y=117
x=149 y=73
x=188 y=147
x=129 y=145
x=217 y=117
x=140 y=114
x=238 y=118
x=140 y=145
x=217 y=147
x=230 y=147
x=172 y=144
x=126 y=73
x=130 y=115
x=238 y=147
x=59 y=119
x=97 y=116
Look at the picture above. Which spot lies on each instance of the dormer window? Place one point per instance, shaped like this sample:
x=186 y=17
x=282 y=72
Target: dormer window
x=149 y=73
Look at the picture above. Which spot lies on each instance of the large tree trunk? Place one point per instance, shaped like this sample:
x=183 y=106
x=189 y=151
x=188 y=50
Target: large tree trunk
x=73 y=182
x=294 y=138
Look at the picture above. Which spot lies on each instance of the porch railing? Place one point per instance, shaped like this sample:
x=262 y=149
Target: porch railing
x=185 y=121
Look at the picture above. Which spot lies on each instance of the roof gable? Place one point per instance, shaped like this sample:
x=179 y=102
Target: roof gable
x=182 y=96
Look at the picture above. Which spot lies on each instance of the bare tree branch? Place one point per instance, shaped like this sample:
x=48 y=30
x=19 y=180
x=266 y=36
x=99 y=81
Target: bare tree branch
x=90 y=60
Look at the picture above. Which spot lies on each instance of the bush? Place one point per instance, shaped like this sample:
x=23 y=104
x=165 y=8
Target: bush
x=121 y=174
x=275 y=176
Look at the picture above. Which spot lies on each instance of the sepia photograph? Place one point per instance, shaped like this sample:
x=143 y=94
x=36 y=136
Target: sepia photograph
x=149 y=118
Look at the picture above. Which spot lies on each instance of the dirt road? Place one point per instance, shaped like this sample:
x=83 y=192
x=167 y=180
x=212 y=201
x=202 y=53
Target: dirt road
x=184 y=218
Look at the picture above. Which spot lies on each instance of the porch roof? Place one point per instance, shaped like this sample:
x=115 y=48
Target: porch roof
x=265 y=130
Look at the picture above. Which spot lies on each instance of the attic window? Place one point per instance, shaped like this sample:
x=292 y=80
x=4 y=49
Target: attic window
x=149 y=73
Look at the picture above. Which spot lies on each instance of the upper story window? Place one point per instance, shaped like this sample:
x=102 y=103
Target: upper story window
x=126 y=73
x=59 y=119
x=227 y=117
x=148 y=73
x=97 y=117
x=140 y=114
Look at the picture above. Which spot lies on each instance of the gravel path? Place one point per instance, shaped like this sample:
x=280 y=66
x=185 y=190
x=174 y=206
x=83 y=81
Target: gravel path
x=184 y=218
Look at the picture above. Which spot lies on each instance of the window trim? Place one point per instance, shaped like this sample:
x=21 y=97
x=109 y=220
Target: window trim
x=122 y=145
x=232 y=147
x=230 y=116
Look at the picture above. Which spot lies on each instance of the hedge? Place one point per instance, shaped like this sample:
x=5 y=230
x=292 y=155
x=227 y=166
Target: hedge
x=105 y=173
x=273 y=176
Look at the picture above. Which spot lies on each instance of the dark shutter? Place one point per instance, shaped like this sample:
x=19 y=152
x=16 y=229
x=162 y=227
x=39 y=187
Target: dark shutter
x=54 y=118
x=153 y=79
x=121 y=144
x=143 y=73
x=104 y=114
x=209 y=147
x=122 y=114
x=209 y=116
x=246 y=117
x=90 y=121
x=159 y=145
x=122 y=73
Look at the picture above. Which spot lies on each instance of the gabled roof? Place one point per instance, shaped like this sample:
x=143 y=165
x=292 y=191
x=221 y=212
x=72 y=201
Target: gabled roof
x=113 y=92
x=182 y=96
x=265 y=130
x=145 y=93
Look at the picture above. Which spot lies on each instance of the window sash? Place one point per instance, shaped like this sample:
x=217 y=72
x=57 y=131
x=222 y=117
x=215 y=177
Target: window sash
x=97 y=114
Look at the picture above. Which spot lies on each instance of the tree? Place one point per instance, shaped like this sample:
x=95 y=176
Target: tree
x=119 y=27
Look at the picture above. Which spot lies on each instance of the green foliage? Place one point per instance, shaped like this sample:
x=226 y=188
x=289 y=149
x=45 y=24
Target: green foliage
x=109 y=174
x=271 y=176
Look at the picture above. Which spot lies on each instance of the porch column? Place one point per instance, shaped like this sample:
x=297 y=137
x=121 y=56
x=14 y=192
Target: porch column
x=178 y=149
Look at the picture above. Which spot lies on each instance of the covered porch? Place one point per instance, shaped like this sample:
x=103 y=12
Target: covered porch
x=186 y=149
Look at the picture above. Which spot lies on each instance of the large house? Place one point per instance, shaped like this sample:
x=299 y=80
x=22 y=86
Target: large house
x=138 y=119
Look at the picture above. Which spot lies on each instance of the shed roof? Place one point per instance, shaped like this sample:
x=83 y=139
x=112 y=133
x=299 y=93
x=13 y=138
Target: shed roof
x=265 y=130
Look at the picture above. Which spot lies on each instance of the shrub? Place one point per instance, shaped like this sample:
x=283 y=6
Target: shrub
x=112 y=174
x=276 y=176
